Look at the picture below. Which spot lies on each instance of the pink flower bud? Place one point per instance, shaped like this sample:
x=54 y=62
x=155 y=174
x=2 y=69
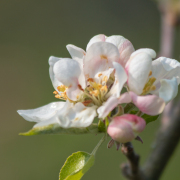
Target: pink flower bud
x=126 y=127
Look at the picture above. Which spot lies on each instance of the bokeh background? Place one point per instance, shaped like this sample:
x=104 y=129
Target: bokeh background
x=30 y=32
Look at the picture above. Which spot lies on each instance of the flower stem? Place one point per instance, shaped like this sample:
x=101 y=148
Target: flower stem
x=99 y=144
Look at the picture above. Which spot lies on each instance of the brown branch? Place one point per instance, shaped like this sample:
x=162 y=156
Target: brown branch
x=131 y=169
x=165 y=144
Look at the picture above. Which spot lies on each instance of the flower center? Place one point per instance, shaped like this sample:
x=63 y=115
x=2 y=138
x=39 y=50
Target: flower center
x=63 y=95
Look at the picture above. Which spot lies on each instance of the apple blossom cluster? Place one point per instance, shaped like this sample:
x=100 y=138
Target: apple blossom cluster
x=109 y=75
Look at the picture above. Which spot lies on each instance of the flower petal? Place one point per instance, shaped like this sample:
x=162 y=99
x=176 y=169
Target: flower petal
x=149 y=104
x=125 y=128
x=138 y=71
x=68 y=72
x=46 y=114
x=111 y=103
x=120 y=79
x=55 y=81
x=66 y=114
x=97 y=38
x=148 y=51
x=76 y=53
x=165 y=68
x=99 y=57
x=124 y=46
x=76 y=115
x=168 y=89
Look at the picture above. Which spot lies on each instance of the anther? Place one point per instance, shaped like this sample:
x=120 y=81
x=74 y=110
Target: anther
x=153 y=88
x=150 y=73
x=55 y=92
x=80 y=87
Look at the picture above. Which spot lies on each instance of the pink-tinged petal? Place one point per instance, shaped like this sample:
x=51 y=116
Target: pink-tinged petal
x=138 y=70
x=55 y=81
x=120 y=79
x=149 y=104
x=97 y=38
x=124 y=46
x=125 y=128
x=107 y=107
x=68 y=72
x=165 y=68
x=100 y=57
x=111 y=103
x=169 y=89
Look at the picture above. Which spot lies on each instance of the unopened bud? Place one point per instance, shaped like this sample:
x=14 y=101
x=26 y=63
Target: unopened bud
x=125 y=128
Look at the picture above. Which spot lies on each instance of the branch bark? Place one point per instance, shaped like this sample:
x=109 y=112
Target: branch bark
x=165 y=144
x=131 y=169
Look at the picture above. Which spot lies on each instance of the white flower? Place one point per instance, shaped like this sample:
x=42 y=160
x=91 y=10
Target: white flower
x=85 y=82
x=159 y=77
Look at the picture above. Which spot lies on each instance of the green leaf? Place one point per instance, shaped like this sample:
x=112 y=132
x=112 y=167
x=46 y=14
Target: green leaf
x=76 y=166
x=56 y=129
x=79 y=163
x=149 y=118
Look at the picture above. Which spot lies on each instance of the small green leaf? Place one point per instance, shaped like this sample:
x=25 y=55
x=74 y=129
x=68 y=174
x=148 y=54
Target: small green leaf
x=76 y=166
x=79 y=163
x=56 y=129
x=149 y=118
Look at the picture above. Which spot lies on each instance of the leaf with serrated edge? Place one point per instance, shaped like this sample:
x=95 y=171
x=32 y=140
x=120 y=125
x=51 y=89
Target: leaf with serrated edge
x=76 y=166
x=56 y=129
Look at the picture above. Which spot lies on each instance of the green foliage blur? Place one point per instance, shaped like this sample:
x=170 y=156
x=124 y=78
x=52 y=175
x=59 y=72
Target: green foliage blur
x=30 y=32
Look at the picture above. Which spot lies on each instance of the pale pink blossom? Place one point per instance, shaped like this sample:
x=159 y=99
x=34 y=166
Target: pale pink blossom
x=125 y=128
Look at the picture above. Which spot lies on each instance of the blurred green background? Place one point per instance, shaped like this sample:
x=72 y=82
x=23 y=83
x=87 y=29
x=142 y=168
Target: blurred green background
x=30 y=32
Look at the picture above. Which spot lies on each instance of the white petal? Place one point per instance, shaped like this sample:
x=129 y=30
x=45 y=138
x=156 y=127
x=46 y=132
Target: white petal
x=68 y=72
x=168 y=89
x=138 y=71
x=76 y=115
x=99 y=57
x=100 y=76
x=120 y=79
x=76 y=53
x=46 y=114
x=124 y=46
x=165 y=68
x=97 y=38
x=148 y=51
x=55 y=81
x=111 y=103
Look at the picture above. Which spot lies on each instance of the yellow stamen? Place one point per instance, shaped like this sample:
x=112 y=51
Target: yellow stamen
x=95 y=93
x=57 y=96
x=99 y=74
x=61 y=88
x=55 y=92
x=105 y=78
x=153 y=88
x=150 y=73
x=104 y=89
